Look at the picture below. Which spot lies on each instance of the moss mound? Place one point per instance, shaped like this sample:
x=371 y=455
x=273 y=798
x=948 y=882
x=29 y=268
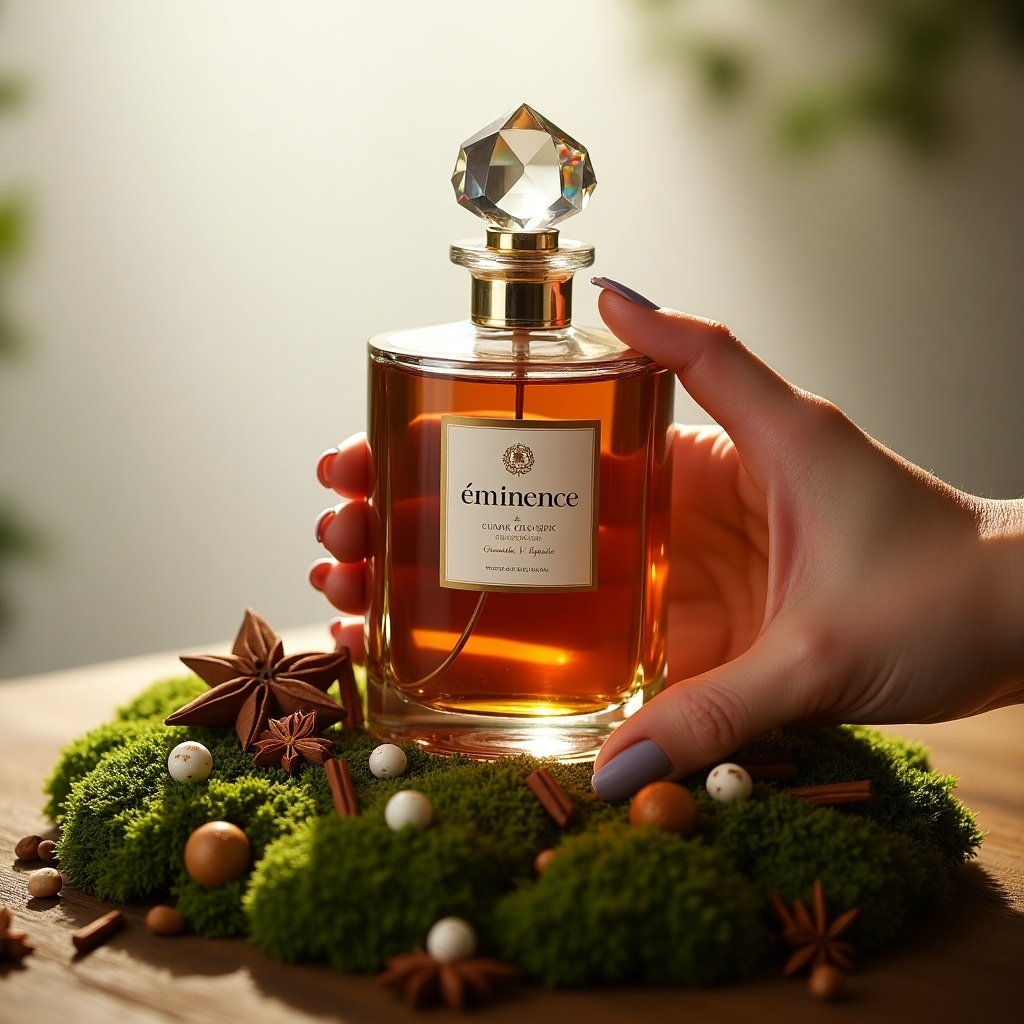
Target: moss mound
x=157 y=702
x=783 y=844
x=126 y=821
x=352 y=892
x=622 y=905
x=911 y=799
x=617 y=905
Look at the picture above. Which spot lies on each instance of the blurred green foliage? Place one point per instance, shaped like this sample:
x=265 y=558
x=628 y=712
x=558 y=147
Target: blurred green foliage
x=17 y=538
x=901 y=83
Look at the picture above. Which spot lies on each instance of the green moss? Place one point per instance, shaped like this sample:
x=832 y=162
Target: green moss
x=213 y=913
x=127 y=821
x=784 y=844
x=618 y=904
x=911 y=799
x=622 y=905
x=82 y=756
x=156 y=702
x=101 y=810
x=352 y=892
x=131 y=721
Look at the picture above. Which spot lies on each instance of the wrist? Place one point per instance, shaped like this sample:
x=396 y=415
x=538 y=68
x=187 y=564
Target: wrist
x=1001 y=531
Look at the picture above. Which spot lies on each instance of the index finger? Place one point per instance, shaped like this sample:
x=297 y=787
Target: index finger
x=747 y=397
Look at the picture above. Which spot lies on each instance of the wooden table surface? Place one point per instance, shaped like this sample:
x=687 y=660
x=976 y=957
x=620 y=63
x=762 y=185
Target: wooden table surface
x=962 y=965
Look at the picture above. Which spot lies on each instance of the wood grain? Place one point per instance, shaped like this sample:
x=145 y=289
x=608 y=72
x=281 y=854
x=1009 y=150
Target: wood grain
x=965 y=964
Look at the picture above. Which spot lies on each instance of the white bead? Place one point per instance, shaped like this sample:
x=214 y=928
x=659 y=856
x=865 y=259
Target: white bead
x=388 y=761
x=190 y=762
x=451 y=939
x=729 y=782
x=408 y=807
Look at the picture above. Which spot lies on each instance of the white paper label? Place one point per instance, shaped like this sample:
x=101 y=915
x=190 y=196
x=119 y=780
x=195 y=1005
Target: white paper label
x=519 y=504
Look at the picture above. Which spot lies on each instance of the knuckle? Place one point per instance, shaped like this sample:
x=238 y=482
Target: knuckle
x=722 y=342
x=721 y=331
x=823 y=416
x=811 y=644
x=815 y=655
x=715 y=718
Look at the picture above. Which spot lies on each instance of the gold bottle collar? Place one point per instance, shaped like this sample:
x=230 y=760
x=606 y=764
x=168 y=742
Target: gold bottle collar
x=522 y=241
x=522 y=279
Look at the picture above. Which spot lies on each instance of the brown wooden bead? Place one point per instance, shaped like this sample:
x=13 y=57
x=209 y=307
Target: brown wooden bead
x=216 y=853
x=826 y=982
x=665 y=804
x=543 y=860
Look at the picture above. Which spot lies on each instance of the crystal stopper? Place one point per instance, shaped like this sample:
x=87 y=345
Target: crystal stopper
x=523 y=173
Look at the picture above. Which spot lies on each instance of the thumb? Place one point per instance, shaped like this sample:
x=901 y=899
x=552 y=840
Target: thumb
x=757 y=407
x=697 y=722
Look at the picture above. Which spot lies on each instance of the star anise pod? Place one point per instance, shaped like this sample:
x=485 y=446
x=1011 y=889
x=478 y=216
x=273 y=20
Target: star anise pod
x=291 y=741
x=815 y=939
x=14 y=946
x=423 y=981
x=257 y=682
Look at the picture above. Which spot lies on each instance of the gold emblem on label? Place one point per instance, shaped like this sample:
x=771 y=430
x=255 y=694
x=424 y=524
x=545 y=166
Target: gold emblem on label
x=518 y=459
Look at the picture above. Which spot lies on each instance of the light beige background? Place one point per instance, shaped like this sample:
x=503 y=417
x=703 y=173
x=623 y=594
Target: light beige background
x=231 y=196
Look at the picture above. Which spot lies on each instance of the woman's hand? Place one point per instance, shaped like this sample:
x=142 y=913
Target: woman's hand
x=816 y=576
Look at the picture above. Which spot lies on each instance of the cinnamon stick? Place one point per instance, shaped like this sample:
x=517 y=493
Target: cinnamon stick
x=860 y=792
x=343 y=791
x=551 y=796
x=350 y=698
x=97 y=932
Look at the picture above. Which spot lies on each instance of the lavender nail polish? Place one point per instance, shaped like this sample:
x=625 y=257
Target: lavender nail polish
x=625 y=291
x=625 y=773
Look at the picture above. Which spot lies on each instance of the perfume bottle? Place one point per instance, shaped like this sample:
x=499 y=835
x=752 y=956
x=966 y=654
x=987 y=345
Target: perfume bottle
x=519 y=493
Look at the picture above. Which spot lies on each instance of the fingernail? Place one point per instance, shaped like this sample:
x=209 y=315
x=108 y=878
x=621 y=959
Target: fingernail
x=625 y=291
x=625 y=773
x=323 y=465
x=322 y=522
x=318 y=573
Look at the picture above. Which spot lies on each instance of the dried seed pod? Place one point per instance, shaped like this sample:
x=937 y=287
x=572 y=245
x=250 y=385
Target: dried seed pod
x=26 y=848
x=164 y=920
x=44 y=883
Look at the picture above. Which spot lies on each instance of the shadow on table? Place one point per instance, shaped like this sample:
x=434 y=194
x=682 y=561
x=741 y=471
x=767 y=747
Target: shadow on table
x=981 y=910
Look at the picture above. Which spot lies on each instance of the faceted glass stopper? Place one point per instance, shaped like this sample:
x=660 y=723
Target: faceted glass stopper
x=522 y=172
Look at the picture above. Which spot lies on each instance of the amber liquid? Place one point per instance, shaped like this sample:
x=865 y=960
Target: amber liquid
x=529 y=656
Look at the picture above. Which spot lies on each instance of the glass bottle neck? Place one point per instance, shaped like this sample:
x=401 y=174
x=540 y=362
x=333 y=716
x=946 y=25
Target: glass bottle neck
x=522 y=280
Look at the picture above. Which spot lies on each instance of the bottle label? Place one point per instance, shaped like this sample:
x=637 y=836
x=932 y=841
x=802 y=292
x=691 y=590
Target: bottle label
x=519 y=502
